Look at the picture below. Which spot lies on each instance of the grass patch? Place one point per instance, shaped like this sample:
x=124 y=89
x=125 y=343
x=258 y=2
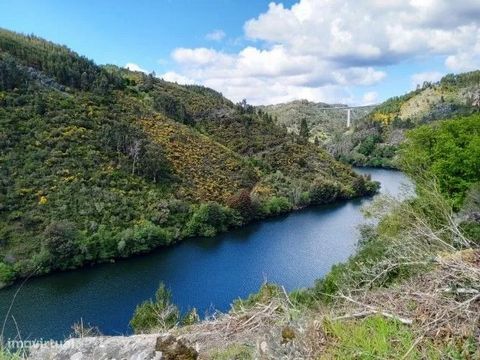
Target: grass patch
x=6 y=354
x=371 y=338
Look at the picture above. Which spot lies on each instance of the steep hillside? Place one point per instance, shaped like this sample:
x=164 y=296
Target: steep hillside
x=453 y=94
x=99 y=162
x=374 y=140
x=323 y=119
x=377 y=131
x=412 y=290
x=290 y=166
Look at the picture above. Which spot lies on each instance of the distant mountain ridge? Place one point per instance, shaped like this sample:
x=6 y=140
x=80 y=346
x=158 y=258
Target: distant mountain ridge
x=322 y=122
x=376 y=137
x=378 y=131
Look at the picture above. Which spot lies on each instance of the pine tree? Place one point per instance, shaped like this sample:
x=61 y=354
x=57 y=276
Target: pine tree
x=304 y=131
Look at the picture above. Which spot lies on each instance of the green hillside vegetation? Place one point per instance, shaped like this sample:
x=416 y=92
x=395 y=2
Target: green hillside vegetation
x=410 y=292
x=375 y=139
x=419 y=248
x=322 y=123
x=98 y=162
x=378 y=131
x=448 y=151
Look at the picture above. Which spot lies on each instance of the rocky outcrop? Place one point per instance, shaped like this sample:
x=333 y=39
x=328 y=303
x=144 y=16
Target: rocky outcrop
x=264 y=330
x=136 y=347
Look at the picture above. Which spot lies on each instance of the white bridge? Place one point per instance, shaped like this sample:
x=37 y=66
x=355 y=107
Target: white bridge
x=349 y=110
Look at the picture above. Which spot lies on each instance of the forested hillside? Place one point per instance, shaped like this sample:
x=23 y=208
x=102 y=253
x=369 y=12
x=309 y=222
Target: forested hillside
x=322 y=120
x=376 y=138
x=410 y=292
x=377 y=132
x=98 y=162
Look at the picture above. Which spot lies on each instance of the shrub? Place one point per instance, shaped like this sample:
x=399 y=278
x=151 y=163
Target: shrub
x=101 y=245
x=171 y=107
x=60 y=240
x=362 y=185
x=330 y=284
x=191 y=317
x=141 y=238
x=367 y=146
x=210 y=218
x=265 y=294
x=160 y=313
x=276 y=205
x=305 y=198
x=7 y=274
x=324 y=191
x=448 y=151
x=242 y=202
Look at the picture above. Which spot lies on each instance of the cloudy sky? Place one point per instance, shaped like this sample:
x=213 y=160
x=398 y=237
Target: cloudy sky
x=354 y=52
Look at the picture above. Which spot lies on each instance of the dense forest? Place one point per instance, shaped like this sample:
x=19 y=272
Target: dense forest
x=98 y=162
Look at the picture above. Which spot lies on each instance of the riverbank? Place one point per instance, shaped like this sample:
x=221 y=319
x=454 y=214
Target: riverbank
x=411 y=290
x=209 y=220
x=386 y=323
x=380 y=306
x=127 y=162
x=294 y=250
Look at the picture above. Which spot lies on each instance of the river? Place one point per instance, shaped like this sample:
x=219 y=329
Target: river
x=206 y=273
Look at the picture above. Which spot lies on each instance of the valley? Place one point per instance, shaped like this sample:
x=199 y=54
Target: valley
x=99 y=162
x=292 y=250
x=147 y=219
x=378 y=131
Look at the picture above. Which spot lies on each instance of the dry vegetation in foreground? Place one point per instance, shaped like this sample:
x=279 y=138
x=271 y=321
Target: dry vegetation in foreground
x=419 y=298
x=430 y=316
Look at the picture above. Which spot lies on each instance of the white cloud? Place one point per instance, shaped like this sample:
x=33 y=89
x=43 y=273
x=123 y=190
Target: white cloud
x=134 y=67
x=174 y=77
x=198 y=56
x=430 y=76
x=215 y=35
x=370 y=98
x=359 y=76
x=463 y=62
x=370 y=31
x=319 y=49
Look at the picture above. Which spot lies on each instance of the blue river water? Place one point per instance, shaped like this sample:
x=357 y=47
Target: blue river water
x=205 y=273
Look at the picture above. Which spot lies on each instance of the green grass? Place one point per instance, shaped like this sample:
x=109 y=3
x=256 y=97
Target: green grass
x=379 y=338
x=371 y=338
x=6 y=354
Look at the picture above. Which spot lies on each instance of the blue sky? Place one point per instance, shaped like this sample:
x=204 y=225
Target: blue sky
x=335 y=51
x=119 y=32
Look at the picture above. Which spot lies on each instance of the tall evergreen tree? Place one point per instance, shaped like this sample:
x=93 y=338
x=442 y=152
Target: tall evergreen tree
x=304 y=130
